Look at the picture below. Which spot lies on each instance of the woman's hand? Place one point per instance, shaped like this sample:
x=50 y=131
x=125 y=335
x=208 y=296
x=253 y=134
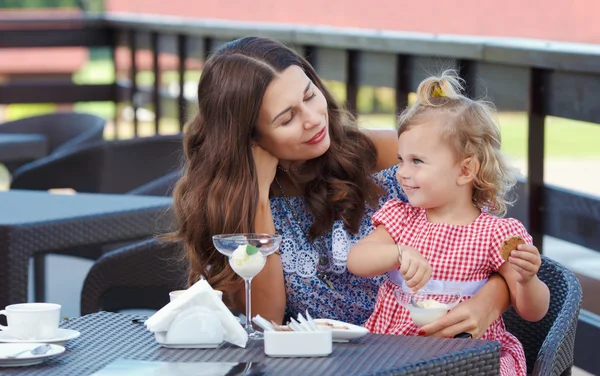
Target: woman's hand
x=266 y=167
x=414 y=267
x=473 y=315
x=468 y=317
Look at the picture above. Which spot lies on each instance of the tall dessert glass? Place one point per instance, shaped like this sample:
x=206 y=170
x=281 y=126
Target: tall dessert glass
x=247 y=255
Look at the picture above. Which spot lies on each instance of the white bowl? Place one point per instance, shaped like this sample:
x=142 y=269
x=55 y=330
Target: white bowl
x=423 y=315
x=298 y=344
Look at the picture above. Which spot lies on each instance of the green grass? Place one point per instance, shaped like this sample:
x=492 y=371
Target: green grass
x=18 y=111
x=103 y=72
x=564 y=138
x=95 y=72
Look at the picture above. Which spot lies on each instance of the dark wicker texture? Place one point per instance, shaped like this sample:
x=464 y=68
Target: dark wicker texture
x=162 y=186
x=33 y=222
x=106 y=337
x=22 y=148
x=100 y=167
x=136 y=276
x=104 y=166
x=63 y=130
x=549 y=344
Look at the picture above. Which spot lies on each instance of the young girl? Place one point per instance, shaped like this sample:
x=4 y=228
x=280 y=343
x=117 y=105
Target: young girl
x=456 y=181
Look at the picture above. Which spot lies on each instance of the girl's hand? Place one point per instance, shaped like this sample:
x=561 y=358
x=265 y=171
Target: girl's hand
x=266 y=167
x=414 y=267
x=526 y=261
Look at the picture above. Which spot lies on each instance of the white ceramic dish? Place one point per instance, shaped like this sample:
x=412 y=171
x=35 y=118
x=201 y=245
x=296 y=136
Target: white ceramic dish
x=61 y=338
x=420 y=315
x=161 y=339
x=342 y=331
x=26 y=359
x=298 y=344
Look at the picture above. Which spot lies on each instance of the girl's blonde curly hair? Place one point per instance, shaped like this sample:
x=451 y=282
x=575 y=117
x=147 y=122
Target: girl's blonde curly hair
x=471 y=129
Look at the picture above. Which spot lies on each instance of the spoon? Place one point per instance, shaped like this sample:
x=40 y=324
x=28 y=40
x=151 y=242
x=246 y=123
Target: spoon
x=40 y=350
x=413 y=302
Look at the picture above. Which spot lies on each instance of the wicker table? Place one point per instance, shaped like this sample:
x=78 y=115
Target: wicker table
x=106 y=337
x=37 y=222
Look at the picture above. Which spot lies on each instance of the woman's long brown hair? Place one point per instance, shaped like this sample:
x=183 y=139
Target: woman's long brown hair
x=219 y=191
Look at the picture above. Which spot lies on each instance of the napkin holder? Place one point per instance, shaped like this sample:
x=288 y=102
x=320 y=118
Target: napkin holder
x=194 y=327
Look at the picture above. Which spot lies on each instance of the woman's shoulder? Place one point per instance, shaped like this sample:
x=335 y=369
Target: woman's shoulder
x=386 y=144
x=386 y=180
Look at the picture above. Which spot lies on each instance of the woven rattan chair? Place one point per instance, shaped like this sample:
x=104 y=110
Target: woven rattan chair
x=549 y=344
x=63 y=131
x=138 y=276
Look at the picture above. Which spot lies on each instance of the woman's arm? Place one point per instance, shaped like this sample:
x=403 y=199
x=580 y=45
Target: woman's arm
x=386 y=143
x=473 y=315
x=268 y=289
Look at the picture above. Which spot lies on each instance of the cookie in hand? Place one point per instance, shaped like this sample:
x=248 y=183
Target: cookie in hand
x=510 y=245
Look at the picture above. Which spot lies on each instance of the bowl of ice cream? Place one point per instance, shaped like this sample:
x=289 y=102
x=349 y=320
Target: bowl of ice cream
x=426 y=306
x=247 y=261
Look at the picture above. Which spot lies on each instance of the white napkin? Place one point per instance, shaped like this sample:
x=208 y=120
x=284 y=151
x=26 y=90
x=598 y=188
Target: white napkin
x=202 y=295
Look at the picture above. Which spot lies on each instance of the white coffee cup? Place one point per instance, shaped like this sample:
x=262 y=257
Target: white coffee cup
x=175 y=294
x=32 y=321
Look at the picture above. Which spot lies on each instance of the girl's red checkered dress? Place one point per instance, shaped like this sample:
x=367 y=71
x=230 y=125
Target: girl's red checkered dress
x=455 y=253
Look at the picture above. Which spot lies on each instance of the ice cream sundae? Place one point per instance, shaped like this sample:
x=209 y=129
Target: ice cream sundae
x=247 y=261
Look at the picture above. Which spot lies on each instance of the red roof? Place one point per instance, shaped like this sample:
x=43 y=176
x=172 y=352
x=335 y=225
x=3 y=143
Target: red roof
x=41 y=60
x=542 y=19
x=61 y=60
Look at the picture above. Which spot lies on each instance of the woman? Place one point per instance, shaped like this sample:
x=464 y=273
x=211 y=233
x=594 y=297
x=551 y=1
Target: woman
x=271 y=151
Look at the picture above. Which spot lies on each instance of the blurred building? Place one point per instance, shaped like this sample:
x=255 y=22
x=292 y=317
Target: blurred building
x=540 y=19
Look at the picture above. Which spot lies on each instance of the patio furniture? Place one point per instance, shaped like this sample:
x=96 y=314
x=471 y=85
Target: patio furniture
x=62 y=131
x=136 y=276
x=549 y=343
x=104 y=166
x=100 y=167
x=106 y=337
x=32 y=223
x=162 y=186
x=20 y=147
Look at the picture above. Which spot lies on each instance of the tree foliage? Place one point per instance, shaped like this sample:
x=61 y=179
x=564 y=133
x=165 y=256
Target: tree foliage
x=93 y=5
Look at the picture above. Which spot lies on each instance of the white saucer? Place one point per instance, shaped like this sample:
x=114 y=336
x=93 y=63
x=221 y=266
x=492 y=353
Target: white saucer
x=61 y=338
x=26 y=359
x=345 y=332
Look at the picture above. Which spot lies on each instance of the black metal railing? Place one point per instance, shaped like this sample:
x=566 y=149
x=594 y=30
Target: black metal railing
x=543 y=79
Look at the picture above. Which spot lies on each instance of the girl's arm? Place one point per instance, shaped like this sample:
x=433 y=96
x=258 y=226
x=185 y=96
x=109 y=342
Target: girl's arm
x=377 y=254
x=529 y=295
x=374 y=255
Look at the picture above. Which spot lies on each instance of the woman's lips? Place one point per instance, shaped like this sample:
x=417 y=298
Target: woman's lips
x=318 y=137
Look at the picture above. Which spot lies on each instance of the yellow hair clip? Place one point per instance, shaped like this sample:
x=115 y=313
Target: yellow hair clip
x=438 y=92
